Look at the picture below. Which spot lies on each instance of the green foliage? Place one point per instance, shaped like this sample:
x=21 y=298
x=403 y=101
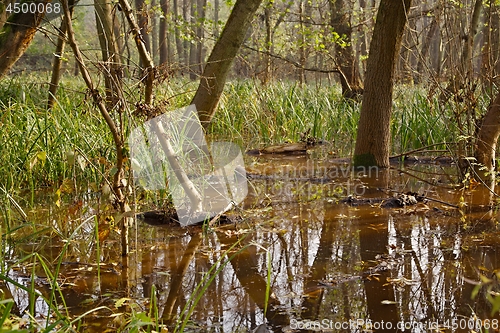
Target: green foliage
x=41 y=148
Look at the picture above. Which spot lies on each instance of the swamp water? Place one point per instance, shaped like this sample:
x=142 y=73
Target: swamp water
x=299 y=260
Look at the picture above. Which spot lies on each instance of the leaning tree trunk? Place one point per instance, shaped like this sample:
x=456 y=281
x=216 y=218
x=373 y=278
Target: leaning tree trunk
x=16 y=35
x=219 y=63
x=373 y=141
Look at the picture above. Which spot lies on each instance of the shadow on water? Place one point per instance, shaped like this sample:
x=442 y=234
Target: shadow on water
x=303 y=260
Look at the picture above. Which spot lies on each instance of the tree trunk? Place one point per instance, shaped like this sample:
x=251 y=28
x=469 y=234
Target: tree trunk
x=487 y=139
x=373 y=140
x=216 y=18
x=185 y=43
x=200 y=34
x=163 y=42
x=16 y=35
x=178 y=42
x=153 y=30
x=192 y=46
x=142 y=22
x=219 y=63
x=268 y=43
x=464 y=69
x=422 y=61
x=57 y=64
x=110 y=52
x=340 y=22
x=144 y=54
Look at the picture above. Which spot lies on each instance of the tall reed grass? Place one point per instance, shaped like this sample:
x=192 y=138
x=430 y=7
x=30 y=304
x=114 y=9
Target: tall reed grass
x=42 y=148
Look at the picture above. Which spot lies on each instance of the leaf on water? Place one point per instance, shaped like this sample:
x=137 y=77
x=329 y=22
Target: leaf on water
x=387 y=302
x=122 y=301
x=66 y=186
x=104 y=231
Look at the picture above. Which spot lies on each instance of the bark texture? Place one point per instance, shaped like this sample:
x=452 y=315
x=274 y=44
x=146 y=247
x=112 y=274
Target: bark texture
x=58 y=60
x=111 y=62
x=487 y=139
x=219 y=63
x=350 y=78
x=16 y=35
x=373 y=141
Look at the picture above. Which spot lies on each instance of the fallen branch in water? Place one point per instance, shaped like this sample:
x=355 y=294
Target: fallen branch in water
x=421 y=149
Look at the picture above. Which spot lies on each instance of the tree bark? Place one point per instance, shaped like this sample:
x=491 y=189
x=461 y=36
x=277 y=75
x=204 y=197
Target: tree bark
x=110 y=52
x=163 y=38
x=57 y=64
x=350 y=78
x=219 y=63
x=464 y=69
x=142 y=23
x=373 y=140
x=487 y=139
x=16 y=35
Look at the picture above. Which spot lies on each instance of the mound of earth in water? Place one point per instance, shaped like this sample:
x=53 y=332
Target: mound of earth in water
x=170 y=218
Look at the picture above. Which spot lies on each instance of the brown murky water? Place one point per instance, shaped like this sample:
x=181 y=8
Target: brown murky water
x=303 y=261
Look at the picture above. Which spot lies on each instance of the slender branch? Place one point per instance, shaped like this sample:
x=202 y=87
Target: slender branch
x=424 y=148
x=146 y=59
x=293 y=62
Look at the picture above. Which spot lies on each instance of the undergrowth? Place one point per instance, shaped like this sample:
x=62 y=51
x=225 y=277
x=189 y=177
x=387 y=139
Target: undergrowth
x=67 y=152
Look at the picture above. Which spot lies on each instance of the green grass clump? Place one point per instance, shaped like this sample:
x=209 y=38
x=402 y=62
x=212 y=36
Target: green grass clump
x=254 y=115
x=40 y=147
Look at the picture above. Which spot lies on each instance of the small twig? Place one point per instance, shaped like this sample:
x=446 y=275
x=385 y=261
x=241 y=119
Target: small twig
x=216 y=217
